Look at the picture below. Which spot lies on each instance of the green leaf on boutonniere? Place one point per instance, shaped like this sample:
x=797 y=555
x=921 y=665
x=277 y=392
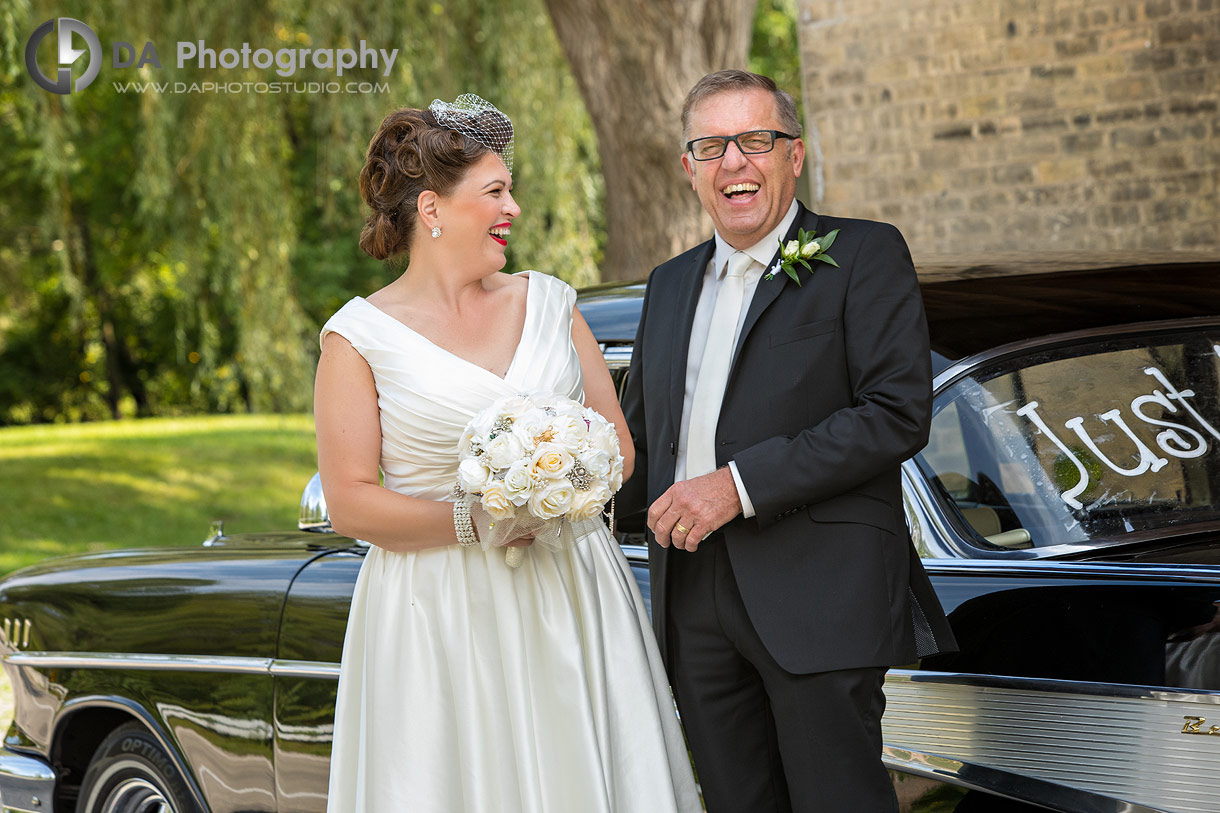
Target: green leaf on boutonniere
x=805 y=249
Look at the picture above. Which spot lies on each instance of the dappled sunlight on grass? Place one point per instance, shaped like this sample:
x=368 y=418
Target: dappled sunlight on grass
x=86 y=487
x=133 y=483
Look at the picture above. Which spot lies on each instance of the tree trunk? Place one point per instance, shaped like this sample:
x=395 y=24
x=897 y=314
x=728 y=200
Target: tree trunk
x=635 y=61
x=95 y=289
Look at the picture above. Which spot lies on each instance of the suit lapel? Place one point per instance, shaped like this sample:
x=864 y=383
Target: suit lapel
x=769 y=290
x=689 y=289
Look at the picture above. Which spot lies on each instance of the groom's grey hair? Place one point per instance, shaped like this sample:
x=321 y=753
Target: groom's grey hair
x=736 y=80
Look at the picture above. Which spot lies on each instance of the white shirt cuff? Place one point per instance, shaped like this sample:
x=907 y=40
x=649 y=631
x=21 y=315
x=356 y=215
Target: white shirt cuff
x=747 y=507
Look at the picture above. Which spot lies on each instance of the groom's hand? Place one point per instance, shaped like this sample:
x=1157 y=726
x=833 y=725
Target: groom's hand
x=690 y=510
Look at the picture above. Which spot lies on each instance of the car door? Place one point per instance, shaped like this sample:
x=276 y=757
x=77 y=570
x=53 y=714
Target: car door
x=307 y=677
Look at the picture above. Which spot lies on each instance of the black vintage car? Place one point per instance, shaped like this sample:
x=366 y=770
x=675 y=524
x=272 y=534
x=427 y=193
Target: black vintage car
x=1066 y=509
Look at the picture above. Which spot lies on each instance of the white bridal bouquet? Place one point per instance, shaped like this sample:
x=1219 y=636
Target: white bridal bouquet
x=541 y=464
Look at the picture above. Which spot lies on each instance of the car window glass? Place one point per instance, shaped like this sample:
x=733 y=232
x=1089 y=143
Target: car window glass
x=946 y=451
x=1081 y=444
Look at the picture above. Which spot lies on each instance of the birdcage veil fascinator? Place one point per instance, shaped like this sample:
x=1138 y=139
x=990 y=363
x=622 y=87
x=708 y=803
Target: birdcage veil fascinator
x=478 y=119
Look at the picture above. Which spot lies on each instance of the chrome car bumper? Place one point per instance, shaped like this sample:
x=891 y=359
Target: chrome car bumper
x=27 y=783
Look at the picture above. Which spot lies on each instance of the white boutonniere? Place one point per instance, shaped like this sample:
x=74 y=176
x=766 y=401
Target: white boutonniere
x=803 y=251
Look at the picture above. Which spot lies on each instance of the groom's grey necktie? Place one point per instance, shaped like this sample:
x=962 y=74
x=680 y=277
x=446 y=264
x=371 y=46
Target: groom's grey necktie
x=714 y=368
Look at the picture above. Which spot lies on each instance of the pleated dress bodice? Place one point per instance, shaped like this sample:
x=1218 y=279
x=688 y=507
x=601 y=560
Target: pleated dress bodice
x=427 y=395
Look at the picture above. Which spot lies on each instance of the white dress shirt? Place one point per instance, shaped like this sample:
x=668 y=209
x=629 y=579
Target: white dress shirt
x=761 y=252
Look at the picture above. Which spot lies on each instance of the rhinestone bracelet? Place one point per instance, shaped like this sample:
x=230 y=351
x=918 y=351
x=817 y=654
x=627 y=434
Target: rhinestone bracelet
x=462 y=524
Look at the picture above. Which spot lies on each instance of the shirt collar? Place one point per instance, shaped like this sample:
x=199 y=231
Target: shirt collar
x=761 y=252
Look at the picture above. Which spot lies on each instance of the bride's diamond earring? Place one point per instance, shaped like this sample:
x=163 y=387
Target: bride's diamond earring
x=436 y=231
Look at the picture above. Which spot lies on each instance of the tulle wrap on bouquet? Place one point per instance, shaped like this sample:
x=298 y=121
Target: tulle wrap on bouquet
x=537 y=464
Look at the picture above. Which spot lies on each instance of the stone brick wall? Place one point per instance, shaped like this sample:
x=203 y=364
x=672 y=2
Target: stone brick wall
x=1006 y=125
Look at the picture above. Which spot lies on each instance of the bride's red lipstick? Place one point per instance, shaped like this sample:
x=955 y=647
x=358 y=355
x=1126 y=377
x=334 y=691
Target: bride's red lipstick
x=501 y=240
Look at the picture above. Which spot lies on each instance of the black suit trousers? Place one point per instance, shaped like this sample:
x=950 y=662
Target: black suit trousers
x=765 y=740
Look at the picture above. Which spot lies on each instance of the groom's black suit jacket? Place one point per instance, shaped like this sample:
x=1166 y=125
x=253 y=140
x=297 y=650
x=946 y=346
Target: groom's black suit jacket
x=829 y=392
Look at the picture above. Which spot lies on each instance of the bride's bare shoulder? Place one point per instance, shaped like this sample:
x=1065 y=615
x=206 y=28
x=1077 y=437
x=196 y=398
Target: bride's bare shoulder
x=383 y=298
x=518 y=282
x=510 y=286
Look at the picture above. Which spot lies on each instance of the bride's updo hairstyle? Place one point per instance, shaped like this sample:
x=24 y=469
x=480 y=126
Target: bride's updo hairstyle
x=411 y=153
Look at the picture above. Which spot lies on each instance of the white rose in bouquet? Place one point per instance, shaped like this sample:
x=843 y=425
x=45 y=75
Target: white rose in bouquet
x=606 y=442
x=481 y=425
x=589 y=504
x=564 y=406
x=552 y=460
x=552 y=499
x=496 y=501
x=519 y=482
x=503 y=450
x=616 y=473
x=569 y=430
x=514 y=405
x=529 y=424
x=465 y=440
x=473 y=475
x=597 y=463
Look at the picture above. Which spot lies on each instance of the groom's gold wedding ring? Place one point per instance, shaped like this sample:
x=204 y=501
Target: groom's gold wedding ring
x=680 y=528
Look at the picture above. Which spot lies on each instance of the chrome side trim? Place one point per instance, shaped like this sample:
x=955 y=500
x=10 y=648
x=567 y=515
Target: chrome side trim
x=27 y=783
x=996 y=782
x=305 y=669
x=1078 y=570
x=175 y=663
x=617 y=356
x=138 y=661
x=1117 y=742
x=635 y=552
x=1055 y=686
x=938 y=540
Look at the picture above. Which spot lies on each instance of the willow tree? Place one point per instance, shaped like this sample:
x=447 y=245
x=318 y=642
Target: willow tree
x=177 y=252
x=634 y=61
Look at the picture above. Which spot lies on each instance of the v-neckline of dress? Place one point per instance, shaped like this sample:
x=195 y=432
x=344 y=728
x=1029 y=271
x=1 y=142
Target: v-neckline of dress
x=529 y=298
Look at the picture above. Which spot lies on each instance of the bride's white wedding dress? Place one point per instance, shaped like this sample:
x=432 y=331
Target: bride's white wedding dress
x=470 y=686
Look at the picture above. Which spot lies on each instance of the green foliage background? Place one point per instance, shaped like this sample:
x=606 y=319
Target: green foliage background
x=176 y=253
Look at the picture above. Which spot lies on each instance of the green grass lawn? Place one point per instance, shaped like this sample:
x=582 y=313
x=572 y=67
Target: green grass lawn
x=159 y=481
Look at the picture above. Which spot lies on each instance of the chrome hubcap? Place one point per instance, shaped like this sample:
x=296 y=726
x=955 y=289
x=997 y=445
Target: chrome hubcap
x=136 y=796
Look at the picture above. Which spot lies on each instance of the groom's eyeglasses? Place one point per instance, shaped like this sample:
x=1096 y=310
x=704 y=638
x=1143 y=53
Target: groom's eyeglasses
x=751 y=143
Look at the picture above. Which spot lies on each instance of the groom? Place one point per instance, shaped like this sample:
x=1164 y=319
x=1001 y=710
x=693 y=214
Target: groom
x=770 y=419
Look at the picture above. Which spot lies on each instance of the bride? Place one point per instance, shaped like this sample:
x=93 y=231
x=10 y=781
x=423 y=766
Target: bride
x=467 y=685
